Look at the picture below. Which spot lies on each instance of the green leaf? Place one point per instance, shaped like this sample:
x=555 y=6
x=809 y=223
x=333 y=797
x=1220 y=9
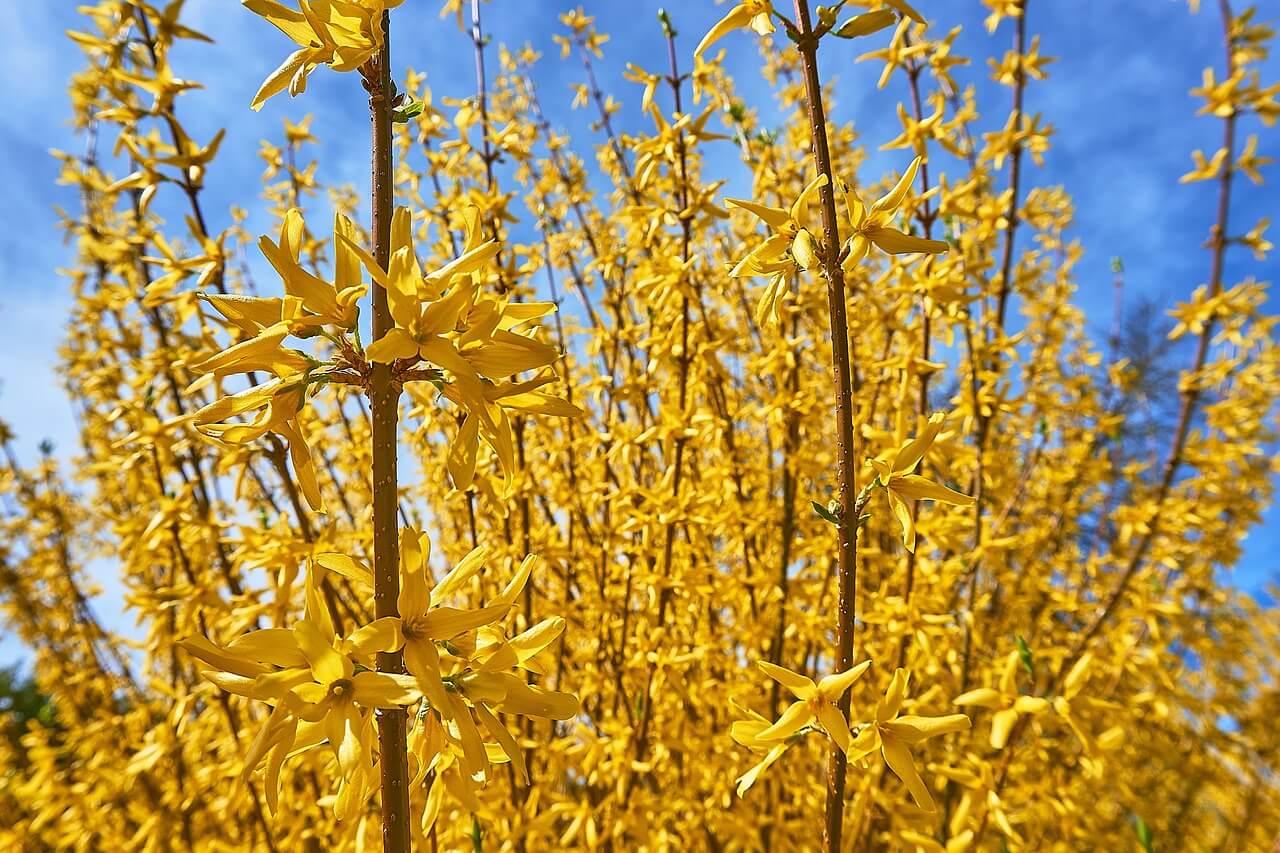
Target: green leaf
x=476 y=835
x=404 y=108
x=1024 y=655
x=1145 y=836
x=826 y=513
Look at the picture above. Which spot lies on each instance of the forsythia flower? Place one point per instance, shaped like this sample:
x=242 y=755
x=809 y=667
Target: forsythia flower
x=790 y=247
x=1005 y=700
x=872 y=226
x=892 y=735
x=747 y=733
x=310 y=674
x=343 y=34
x=310 y=304
x=1072 y=706
x=1206 y=169
x=756 y=14
x=893 y=470
x=814 y=702
x=458 y=663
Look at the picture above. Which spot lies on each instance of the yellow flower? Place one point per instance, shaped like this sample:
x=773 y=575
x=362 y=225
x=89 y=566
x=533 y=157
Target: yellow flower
x=790 y=247
x=342 y=34
x=815 y=702
x=787 y=233
x=892 y=735
x=429 y=309
x=1206 y=169
x=281 y=404
x=318 y=683
x=1005 y=699
x=894 y=474
x=490 y=421
x=756 y=14
x=747 y=733
x=1073 y=707
x=872 y=226
x=319 y=302
x=1249 y=161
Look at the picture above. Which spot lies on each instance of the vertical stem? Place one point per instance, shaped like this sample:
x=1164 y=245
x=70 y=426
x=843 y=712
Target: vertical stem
x=848 y=553
x=384 y=395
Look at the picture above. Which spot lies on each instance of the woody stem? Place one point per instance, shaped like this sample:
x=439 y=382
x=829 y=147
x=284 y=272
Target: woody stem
x=848 y=530
x=384 y=396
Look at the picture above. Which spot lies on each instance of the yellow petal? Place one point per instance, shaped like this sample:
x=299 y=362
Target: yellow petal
x=746 y=780
x=833 y=686
x=903 y=513
x=460 y=575
x=384 y=689
x=739 y=16
x=795 y=718
x=1001 y=724
x=893 y=697
x=303 y=467
x=445 y=623
x=890 y=202
x=396 y=343
x=983 y=697
x=326 y=664
x=914 y=729
x=802 y=202
x=226 y=361
x=917 y=488
x=223 y=659
x=898 y=757
x=495 y=727
x=834 y=724
x=906 y=459
x=536 y=702
x=896 y=242
x=517 y=583
x=774 y=217
x=380 y=635
x=532 y=641
x=462 y=454
x=348 y=567
x=279 y=79
x=275 y=646
x=801 y=686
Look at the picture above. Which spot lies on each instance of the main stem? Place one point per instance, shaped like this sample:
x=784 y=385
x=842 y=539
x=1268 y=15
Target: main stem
x=848 y=533
x=384 y=395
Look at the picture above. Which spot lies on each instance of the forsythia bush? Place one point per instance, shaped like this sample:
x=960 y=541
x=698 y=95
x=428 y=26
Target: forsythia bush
x=530 y=515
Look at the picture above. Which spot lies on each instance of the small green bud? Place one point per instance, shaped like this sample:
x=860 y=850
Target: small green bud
x=1024 y=655
x=830 y=513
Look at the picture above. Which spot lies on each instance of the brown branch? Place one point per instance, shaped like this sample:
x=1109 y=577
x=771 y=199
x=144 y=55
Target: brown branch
x=384 y=396
x=840 y=362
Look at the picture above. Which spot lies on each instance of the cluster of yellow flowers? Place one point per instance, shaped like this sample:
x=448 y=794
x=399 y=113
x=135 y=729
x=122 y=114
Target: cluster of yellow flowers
x=686 y=591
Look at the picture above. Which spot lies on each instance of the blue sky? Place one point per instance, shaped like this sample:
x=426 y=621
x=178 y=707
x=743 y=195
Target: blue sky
x=1118 y=97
